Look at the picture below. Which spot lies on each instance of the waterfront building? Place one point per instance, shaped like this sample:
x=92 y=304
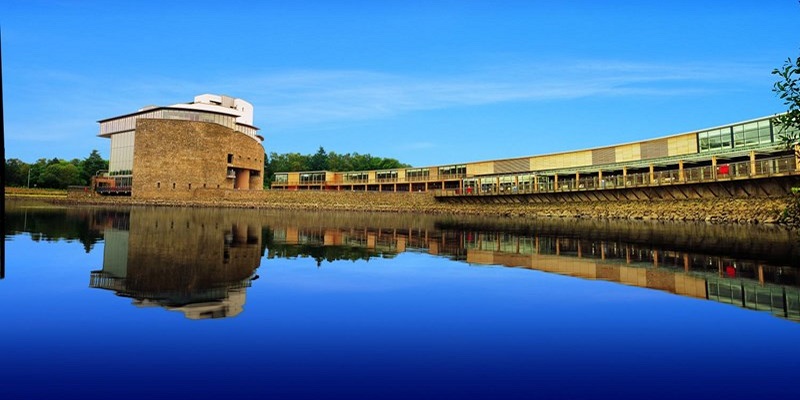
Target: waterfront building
x=742 y=149
x=179 y=150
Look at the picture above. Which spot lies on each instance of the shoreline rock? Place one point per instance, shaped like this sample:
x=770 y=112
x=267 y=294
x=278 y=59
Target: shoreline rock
x=715 y=211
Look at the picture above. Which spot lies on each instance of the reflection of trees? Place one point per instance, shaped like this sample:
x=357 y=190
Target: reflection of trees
x=83 y=224
x=324 y=253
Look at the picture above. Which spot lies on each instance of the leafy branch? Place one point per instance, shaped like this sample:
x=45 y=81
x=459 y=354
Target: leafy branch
x=788 y=89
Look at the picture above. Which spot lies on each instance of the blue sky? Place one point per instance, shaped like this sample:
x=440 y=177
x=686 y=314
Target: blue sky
x=426 y=82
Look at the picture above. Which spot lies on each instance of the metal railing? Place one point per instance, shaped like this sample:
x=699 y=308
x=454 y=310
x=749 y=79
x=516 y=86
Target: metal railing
x=776 y=166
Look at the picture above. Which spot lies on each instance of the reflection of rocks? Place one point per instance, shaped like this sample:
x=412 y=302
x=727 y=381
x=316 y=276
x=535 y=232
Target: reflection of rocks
x=195 y=261
x=755 y=210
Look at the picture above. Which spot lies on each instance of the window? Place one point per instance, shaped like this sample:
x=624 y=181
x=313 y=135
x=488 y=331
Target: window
x=312 y=178
x=715 y=139
x=356 y=177
x=417 y=174
x=281 y=178
x=386 y=176
x=230 y=158
x=452 y=171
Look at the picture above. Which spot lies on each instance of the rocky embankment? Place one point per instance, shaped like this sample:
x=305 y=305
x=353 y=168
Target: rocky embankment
x=738 y=211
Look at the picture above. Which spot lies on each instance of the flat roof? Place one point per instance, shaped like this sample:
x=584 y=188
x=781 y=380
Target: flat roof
x=175 y=107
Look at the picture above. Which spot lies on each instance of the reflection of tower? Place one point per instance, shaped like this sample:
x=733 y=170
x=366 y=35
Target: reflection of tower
x=195 y=261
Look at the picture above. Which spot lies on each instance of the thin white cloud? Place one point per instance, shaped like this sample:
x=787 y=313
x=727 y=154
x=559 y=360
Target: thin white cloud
x=314 y=98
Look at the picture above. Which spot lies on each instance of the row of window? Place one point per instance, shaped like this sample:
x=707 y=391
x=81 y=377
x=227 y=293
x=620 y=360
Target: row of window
x=312 y=178
x=744 y=135
x=356 y=177
x=129 y=123
x=453 y=170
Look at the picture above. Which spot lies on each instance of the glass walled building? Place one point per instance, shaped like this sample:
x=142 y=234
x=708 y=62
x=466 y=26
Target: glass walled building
x=743 y=149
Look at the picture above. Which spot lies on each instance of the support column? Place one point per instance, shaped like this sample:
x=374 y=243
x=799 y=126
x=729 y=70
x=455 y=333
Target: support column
x=555 y=177
x=536 y=183
x=714 y=167
x=681 y=176
x=600 y=180
x=797 y=157
x=752 y=163
x=577 y=180
x=625 y=176
x=652 y=174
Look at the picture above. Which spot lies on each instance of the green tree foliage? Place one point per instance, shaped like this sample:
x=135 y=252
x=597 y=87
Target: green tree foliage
x=53 y=173
x=16 y=173
x=319 y=161
x=59 y=175
x=91 y=165
x=788 y=89
x=324 y=161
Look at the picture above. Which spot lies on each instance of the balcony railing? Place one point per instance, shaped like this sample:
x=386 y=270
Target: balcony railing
x=777 y=166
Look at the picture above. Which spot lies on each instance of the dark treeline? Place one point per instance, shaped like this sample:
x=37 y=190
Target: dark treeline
x=54 y=173
x=59 y=174
x=84 y=225
x=325 y=161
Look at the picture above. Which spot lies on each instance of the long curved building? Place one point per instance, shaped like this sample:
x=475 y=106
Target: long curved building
x=741 y=149
x=183 y=150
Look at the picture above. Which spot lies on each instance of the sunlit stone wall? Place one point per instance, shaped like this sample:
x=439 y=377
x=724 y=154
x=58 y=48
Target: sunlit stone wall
x=174 y=158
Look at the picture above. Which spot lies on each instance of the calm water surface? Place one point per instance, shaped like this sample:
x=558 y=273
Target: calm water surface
x=199 y=303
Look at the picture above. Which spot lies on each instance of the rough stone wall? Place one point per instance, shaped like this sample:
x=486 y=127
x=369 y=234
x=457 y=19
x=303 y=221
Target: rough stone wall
x=187 y=250
x=174 y=158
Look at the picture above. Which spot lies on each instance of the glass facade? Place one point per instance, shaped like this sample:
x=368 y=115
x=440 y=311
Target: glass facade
x=281 y=178
x=736 y=136
x=715 y=139
x=417 y=174
x=753 y=133
x=121 y=152
x=312 y=178
x=356 y=177
x=386 y=176
x=453 y=171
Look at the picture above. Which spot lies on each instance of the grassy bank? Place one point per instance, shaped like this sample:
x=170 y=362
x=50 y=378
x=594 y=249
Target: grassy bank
x=35 y=193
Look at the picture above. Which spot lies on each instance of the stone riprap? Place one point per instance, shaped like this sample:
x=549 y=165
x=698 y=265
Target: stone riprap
x=740 y=211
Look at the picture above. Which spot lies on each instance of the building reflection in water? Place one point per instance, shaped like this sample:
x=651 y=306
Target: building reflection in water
x=198 y=262
x=746 y=283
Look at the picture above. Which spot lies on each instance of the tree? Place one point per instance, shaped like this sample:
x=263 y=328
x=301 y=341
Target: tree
x=36 y=170
x=89 y=166
x=16 y=173
x=788 y=89
x=60 y=175
x=319 y=161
